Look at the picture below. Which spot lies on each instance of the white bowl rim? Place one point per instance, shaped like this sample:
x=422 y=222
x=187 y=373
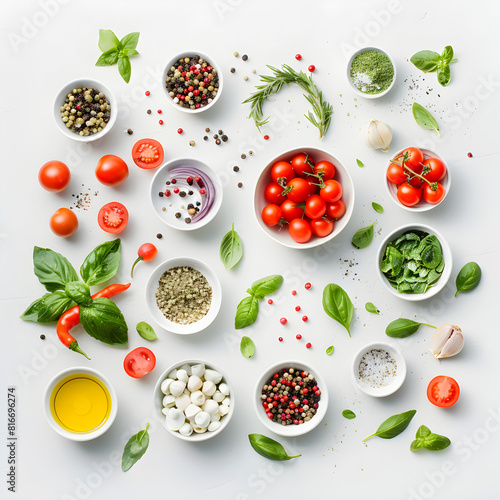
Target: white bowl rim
x=67 y=434
x=59 y=99
x=291 y=430
x=194 y=436
x=443 y=280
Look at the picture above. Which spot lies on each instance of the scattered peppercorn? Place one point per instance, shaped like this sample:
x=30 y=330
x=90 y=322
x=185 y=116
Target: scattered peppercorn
x=236 y=54
x=130 y=131
x=148 y=111
x=217 y=141
x=304 y=318
x=182 y=194
x=179 y=131
x=236 y=168
x=311 y=68
x=42 y=336
x=160 y=122
x=160 y=194
x=297 y=308
x=283 y=321
x=240 y=184
x=294 y=292
x=243 y=156
x=148 y=93
x=159 y=236
x=216 y=136
x=187 y=220
x=270 y=301
x=159 y=111
x=245 y=78
x=176 y=190
x=233 y=70
x=469 y=155
x=280 y=339
x=254 y=71
x=298 y=336
x=307 y=286
x=244 y=57
x=220 y=132
x=224 y=138
x=266 y=137
x=207 y=130
x=298 y=57
x=192 y=143
x=309 y=345
x=205 y=138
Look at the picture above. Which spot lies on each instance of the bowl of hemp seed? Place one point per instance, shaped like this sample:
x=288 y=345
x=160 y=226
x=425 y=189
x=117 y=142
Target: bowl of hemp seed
x=85 y=110
x=183 y=295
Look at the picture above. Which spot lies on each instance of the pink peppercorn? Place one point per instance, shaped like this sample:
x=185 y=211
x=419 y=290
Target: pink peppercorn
x=270 y=301
x=298 y=336
x=179 y=131
x=298 y=57
x=176 y=190
x=280 y=339
x=147 y=92
x=266 y=137
x=309 y=345
x=160 y=122
x=294 y=292
x=283 y=321
x=304 y=318
x=297 y=308
x=307 y=286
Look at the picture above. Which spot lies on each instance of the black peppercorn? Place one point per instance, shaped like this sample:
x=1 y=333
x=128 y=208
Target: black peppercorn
x=160 y=194
x=159 y=236
x=244 y=57
x=224 y=138
x=217 y=141
x=130 y=131
x=240 y=184
x=216 y=136
x=178 y=215
x=243 y=156
x=187 y=220
x=236 y=168
x=190 y=193
x=205 y=138
x=220 y=132
x=148 y=111
x=42 y=336
x=233 y=70
x=182 y=194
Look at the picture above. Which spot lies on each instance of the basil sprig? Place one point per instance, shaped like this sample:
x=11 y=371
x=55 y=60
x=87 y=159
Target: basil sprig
x=468 y=277
x=135 y=449
x=429 y=440
x=231 y=249
x=424 y=118
x=429 y=62
x=269 y=448
x=363 y=237
x=394 y=425
x=338 y=305
x=401 y=328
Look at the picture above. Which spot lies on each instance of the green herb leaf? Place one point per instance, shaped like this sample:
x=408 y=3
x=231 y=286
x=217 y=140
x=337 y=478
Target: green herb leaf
x=338 y=305
x=363 y=237
x=371 y=308
x=424 y=118
x=247 y=347
x=107 y=40
x=49 y=308
x=267 y=285
x=108 y=58
x=124 y=68
x=401 y=328
x=444 y=76
x=52 y=269
x=426 y=60
x=348 y=414
x=129 y=52
x=428 y=440
x=79 y=292
x=135 y=449
x=102 y=263
x=468 y=277
x=231 y=249
x=394 y=425
x=246 y=312
x=329 y=350
x=105 y=322
x=360 y=163
x=146 y=331
x=269 y=448
x=447 y=55
x=378 y=208
x=129 y=42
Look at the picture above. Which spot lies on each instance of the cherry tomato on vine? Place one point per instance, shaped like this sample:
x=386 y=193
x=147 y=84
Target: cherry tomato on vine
x=146 y=252
x=299 y=189
x=443 y=391
x=315 y=207
x=300 y=230
x=64 y=222
x=271 y=214
x=272 y=193
x=139 y=362
x=438 y=169
x=147 y=153
x=321 y=227
x=290 y=211
x=336 y=210
x=395 y=174
x=54 y=176
x=282 y=169
x=408 y=195
x=326 y=169
x=332 y=191
x=113 y=217
x=301 y=165
x=433 y=197
x=111 y=170
x=413 y=159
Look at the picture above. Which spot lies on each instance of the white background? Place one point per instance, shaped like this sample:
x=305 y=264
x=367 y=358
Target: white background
x=42 y=51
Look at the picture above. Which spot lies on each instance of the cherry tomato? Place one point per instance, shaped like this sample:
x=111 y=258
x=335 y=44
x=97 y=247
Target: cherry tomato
x=408 y=195
x=282 y=169
x=139 y=362
x=64 y=222
x=147 y=153
x=395 y=174
x=315 y=207
x=301 y=164
x=111 y=170
x=54 y=176
x=326 y=169
x=146 y=252
x=290 y=211
x=113 y=217
x=413 y=158
x=443 y=391
x=299 y=190
x=272 y=193
x=332 y=191
x=321 y=227
x=336 y=210
x=271 y=214
x=300 y=230
x=434 y=197
x=438 y=170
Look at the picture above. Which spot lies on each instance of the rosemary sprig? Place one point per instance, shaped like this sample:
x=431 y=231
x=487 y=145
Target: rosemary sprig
x=322 y=110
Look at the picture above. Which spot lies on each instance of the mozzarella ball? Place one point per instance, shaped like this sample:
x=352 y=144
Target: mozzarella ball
x=182 y=401
x=223 y=410
x=197 y=398
x=209 y=388
x=226 y=401
x=168 y=401
x=191 y=411
x=202 y=419
x=210 y=406
x=173 y=374
x=198 y=370
x=186 y=368
x=186 y=429
x=215 y=418
x=213 y=426
x=213 y=376
x=199 y=430
x=218 y=396
x=165 y=386
x=182 y=375
x=175 y=419
x=177 y=387
x=224 y=388
x=194 y=383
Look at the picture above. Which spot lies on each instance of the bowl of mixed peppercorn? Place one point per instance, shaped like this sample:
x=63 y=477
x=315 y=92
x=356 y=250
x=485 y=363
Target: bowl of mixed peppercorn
x=192 y=81
x=291 y=398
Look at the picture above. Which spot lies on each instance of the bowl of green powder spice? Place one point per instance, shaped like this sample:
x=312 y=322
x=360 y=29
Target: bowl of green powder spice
x=371 y=72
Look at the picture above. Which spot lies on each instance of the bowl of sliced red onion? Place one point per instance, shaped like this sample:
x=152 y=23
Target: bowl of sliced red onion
x=186 y=194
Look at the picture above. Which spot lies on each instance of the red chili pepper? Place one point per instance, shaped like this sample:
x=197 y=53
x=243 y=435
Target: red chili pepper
x=71 y=317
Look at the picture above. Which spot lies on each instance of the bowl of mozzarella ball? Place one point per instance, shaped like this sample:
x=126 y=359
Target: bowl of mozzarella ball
x=194 y=400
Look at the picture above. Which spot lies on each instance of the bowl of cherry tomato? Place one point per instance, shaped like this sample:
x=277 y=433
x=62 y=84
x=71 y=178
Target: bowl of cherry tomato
x=417 y=179
x=303 y=198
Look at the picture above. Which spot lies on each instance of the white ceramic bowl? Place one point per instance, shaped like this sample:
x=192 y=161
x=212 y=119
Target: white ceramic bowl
x=282 y=236
x=175 y=59
x=168 y=216
x=291 y=430
x=158 y=402
x=398 y=380
x=422 y=205
x=75 y=436
x=349 y=79
x=84 y=82
x=445 y=276
x=152 y=288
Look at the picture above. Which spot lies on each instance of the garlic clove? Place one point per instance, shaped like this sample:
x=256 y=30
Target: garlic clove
x=379 y=135
x=447 y=341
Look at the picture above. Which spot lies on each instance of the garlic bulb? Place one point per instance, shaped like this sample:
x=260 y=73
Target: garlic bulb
x=447 y=341
x=379 y=135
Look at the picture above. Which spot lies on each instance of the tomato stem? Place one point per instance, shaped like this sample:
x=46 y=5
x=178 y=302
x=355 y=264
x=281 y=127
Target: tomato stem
x=74 y=347
x=433 y=185
x=134 y=264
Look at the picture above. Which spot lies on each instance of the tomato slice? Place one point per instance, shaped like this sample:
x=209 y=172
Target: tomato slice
x=139 y=362
x=147 y=153
x=113 y=217
x=443 y=391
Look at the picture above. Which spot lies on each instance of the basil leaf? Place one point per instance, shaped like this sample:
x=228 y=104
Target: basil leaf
x=267 y=285
x=247 y=347
x=423 y=432
x=107 y=40
x=146 y=331
x=363 y=237
x=430 y=251
x=424 y=118
x=135 y=449
x=329 y=350
x=269 y=448
x=102 y=263
x=378 y=208
x=231 y=249
x=49 y=308
x=426 y=60
x=394 y=425
x=52 y=269
x=401 y=328
x=447 y=55
x=105 y=322
x=338 y=305
x=129 y=52
x=79 y=292
x=348 y=414
x=444 y=76
x=360 y=163
x=124 y=68
x=371 y=308
x=428 y=440
x=108 y=58
x=246 y=312
x=130 y=41
x=468 y=277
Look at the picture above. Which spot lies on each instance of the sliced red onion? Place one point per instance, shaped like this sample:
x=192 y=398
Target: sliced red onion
x=182 y=173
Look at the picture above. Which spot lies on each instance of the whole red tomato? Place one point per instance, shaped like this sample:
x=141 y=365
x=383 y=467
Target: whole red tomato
x=111 y=170
x=321 y=227
x=332 y=191
x=298 y=190
x=408 y=195
x=434 y=196
x=326 y=169
x=315 y=207
x=395 y=174
x=64 y=222
x=271 y=214
x=272 y=193
x=300 y=230
x=54 y=176
x=301 y=164
x=413 y=159
x=290 y=211
x=336 y=210
x=282 y=170
x=437 y=169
